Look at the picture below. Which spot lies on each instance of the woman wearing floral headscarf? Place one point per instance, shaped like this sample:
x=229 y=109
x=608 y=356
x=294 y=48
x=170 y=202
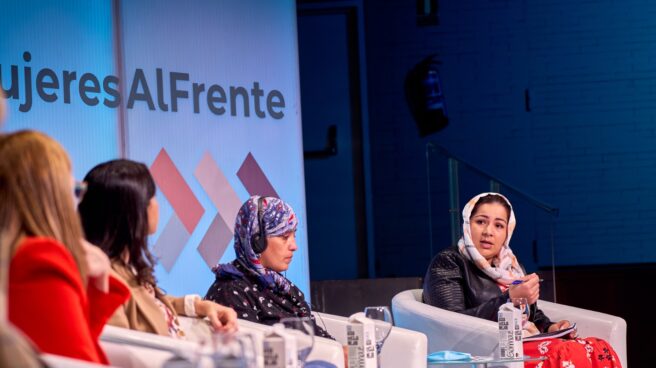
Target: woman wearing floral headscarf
x=476 y=277
x=253 y=284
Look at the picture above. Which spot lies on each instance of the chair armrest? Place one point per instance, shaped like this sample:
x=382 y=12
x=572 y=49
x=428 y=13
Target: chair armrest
x=403 y=348
x=444 y=329
x=591 y=324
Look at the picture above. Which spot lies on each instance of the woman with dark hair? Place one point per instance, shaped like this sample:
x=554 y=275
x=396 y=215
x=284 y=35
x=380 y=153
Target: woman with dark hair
x=481 y=273
x=118 y=212
x=252 y=284
x=59 y=291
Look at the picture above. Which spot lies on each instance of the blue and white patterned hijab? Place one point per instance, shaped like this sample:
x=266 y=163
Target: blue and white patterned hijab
x=278 y=218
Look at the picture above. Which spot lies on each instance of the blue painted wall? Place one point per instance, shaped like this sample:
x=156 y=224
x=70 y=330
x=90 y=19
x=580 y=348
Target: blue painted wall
x=587 y=146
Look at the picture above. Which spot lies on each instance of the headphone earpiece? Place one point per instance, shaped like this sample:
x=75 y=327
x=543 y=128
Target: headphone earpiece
x=258 y=240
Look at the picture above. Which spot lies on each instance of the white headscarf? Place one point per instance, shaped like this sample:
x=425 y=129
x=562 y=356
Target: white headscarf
x=504 y=267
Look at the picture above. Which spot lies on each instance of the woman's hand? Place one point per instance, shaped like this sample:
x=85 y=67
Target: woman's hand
x=98 y=266
x=560 y=325
x=529 y=289
x=221 y=318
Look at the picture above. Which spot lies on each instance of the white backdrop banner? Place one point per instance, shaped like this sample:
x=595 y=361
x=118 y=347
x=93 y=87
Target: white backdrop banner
x=205 y=93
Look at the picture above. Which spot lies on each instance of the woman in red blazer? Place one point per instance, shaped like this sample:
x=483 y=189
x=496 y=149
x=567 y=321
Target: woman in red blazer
x=60 y=293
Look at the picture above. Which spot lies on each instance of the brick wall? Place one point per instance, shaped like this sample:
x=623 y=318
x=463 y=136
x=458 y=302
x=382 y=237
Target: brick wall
x=587 y=146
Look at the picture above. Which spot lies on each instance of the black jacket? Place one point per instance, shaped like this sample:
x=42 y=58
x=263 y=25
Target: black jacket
x=454 y=283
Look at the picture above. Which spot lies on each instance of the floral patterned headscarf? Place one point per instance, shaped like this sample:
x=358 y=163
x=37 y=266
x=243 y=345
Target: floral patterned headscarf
x=504 y=268
x=278 y=218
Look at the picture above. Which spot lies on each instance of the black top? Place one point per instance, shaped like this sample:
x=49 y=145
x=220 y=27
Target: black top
x=257 y=303
x=454 y=283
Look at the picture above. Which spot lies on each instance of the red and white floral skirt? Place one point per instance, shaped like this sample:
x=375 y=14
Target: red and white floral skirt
x=577 y=353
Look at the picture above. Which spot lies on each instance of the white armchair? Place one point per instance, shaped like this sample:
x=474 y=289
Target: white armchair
x=591 y=323
x=403 y=348
x=448 y=330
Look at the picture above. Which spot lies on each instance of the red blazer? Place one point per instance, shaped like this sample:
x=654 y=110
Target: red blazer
x=47 y=301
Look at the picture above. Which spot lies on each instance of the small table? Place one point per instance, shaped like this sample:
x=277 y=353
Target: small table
x=484 y=361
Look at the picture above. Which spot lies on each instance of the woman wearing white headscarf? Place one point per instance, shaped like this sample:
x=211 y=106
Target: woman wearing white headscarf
x=481 y=273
